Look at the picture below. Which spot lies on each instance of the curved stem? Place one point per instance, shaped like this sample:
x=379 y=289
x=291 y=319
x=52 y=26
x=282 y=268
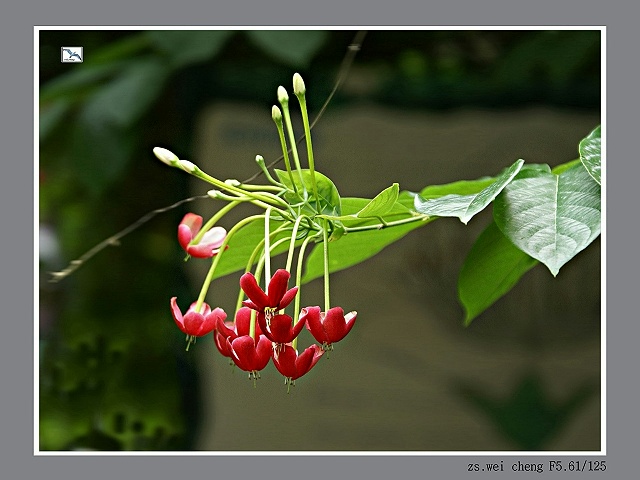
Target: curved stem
x=216 y=259
x=213 y=220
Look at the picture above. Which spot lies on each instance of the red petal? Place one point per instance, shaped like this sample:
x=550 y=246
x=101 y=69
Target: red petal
x=221 y=344
x=201 y=251
x=307 y=359
x=249 y=356
x=193 y=323
x=280 y=329
x=185 y=235
x=193 y=222
x=278 y=287
x=250 y=286
x=225 y=329
x=285 y=361
x=312 y=317
x=210 y=321
x=335 y=324
x=243 y=321
x=177 y=315
x=288 y=298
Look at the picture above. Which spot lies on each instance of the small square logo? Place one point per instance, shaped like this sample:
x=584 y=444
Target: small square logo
x=71 y=55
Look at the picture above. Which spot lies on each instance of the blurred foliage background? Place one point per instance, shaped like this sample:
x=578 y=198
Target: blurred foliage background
x=113 y=374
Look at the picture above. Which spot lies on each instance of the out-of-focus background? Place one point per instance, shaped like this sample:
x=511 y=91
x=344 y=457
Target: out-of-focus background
x=418 y=108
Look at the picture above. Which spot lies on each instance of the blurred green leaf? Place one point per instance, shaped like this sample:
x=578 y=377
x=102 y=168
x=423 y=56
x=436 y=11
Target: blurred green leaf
x=185 y=47
x=294 y=47
x=123 y=100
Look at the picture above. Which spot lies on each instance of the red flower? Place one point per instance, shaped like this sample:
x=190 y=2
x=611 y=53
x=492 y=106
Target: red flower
x=278 y=329
x=196 y=323
x=209 y=244
x=292 y=365
x=250 y=355
x=232 y=330
x=278 y=297
x=328 y=327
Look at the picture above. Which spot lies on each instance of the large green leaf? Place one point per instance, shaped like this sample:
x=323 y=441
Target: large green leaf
x=185 y=47
x=492 y=267
x=589 y=149
x=355 y=247
x=550 y=217
x=466 y=206
x=294 y=47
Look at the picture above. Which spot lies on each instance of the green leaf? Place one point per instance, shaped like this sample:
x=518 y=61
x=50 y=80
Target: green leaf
x=186 y=47
x=294 y=47
x=355 y=247
x=550 y=217
x=381 y=203
x=466 y=206
x=589 y=149
x=462 y=187
x=492 y=267
x=327 y=192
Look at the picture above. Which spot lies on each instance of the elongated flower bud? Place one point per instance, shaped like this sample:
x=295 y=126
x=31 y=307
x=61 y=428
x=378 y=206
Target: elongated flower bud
x=187 y=166
x=298 y=85
x=283 y=96
x=276 y=114
x=165 y=156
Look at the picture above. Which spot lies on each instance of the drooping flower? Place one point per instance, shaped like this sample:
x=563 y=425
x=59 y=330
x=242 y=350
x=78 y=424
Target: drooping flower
x=232 y=330
x=278 y=328
x=209 y=244
x=277 y=298
x=292 y=365
x=328 y=327
x=196 y=323
x=250 y=355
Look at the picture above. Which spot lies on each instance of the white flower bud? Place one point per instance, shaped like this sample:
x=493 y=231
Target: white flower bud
x=298 y=85
x=187 y=166
x=259 y=159
x=283 y=96
x=165 y=156
x=276 y=114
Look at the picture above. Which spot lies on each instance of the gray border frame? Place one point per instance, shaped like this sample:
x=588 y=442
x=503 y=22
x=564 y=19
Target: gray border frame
x=16 y=193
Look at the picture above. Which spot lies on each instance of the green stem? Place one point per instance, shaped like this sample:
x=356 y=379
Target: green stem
x=285 y=152
x=267 y=198
x=292 y=140
x=292 y=244
x=380 y=226
x=307 y=135
x=325 y=247
x=213 y=220
x=216 y=259
x=267 y=251
x=296 y=307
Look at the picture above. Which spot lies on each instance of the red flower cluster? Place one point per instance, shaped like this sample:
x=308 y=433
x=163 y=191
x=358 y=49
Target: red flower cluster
x=274 y=331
